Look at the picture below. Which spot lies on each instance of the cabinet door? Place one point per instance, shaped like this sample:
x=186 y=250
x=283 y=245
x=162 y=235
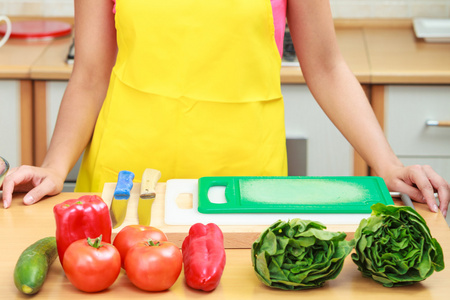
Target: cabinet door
x=328 y=152
x=407 y=110
x=16 y=122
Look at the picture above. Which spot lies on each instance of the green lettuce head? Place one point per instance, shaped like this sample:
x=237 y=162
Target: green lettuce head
x=394 y=246
x=298 y=254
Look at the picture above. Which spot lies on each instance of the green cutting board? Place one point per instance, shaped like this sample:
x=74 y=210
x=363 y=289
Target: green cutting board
x=294 y=194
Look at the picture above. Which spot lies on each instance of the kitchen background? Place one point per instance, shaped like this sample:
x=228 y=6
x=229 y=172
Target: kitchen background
x=341 y=8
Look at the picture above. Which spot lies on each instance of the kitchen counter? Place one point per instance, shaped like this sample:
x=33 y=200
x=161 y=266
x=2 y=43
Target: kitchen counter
x=386 y=52
x=51 y=64
x=380 y=51
x=23 y=225
x=396 y=56
x=17 y=57
x=352 y=45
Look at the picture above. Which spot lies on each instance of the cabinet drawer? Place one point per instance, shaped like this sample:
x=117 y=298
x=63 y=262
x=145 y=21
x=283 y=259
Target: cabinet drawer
x=408 y=107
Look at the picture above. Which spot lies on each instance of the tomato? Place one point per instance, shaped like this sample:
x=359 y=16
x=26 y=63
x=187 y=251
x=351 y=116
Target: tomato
x=154 y=266
x=91 y=265
x=132 y=234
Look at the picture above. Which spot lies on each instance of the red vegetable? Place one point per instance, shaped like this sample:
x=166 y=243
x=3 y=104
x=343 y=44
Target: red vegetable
x=154 y=266
x=203 y=256
x=132 y=234
x=81 y=218
x=91 y=265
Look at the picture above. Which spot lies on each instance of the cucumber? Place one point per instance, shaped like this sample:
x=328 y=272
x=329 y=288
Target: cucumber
x=33 y=264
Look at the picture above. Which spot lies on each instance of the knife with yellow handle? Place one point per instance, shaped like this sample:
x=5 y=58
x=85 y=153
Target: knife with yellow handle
x=119 y=203
x=147 y=195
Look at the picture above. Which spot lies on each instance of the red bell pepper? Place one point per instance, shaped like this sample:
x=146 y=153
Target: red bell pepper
x=203 y=256
x=76 y=219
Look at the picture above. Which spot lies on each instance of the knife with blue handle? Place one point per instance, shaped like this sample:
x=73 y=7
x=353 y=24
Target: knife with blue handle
x=119 y=203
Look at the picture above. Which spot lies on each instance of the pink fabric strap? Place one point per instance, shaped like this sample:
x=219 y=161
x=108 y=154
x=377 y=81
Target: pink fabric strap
x=279 y=20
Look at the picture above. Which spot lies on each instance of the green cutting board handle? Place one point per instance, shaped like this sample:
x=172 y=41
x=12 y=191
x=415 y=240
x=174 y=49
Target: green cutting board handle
x=294 y=194
x=232 y=195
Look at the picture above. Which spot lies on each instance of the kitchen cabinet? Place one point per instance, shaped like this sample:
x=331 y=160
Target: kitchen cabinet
x=407 y=108
x=47 y=96
x=16 y=99
x=327 y=152
x=16 y=121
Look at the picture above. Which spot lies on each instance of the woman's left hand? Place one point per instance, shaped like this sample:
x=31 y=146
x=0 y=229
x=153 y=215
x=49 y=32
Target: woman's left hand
x=420 y=182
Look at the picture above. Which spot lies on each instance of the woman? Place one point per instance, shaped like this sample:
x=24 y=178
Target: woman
x=194 y=90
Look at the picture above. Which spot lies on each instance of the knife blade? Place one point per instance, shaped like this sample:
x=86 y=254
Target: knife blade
x=119 y=202
x=405 y=199
x=147 y=195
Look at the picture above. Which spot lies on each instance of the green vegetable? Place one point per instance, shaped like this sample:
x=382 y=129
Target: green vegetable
x=298 y=254
x=33 y=264
x=394 y=246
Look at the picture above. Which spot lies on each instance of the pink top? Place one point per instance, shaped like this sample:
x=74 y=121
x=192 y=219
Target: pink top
x=279 y=20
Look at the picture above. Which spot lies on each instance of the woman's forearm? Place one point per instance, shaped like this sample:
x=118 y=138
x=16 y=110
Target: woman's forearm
x=74 y=127
x=96 y=49
x=332 y=83
x=346 y=104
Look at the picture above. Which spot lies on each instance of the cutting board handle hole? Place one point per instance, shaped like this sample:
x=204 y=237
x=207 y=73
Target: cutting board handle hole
x=184 y=201
x=216 y=194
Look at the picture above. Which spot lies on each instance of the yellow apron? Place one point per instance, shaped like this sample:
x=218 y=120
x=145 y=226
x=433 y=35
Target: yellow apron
x=195 y=92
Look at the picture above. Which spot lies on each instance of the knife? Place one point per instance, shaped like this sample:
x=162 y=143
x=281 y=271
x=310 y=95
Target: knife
x=147 y=195
x=405 y=199
x=119 y=202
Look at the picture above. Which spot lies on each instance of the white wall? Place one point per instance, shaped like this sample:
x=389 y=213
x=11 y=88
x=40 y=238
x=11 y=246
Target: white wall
x=47 y=8
x=341 y=8
x=390 y=8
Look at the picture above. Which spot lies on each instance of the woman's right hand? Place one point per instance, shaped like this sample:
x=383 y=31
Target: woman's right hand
x=37 y=182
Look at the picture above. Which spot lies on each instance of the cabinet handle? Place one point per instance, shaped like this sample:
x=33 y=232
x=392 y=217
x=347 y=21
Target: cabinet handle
x=438 y=123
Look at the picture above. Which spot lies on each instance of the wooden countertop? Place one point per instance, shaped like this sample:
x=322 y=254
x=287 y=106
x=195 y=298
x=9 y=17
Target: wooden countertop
x=51 y=64
x=20 y=226
x=353 y=48
x=377 y=51
x=17 y=57
x=397 y=56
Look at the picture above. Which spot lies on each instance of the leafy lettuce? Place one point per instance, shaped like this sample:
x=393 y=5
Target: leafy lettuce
x=394 y=246
x=298 y=254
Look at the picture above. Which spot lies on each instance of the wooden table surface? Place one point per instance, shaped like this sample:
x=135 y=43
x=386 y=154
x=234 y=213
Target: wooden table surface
x=21 y=225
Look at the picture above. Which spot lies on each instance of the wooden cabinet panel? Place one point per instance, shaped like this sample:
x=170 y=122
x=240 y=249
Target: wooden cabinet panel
x=16 y=121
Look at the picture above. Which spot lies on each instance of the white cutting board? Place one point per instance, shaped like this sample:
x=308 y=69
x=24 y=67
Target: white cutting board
x=181 y=208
